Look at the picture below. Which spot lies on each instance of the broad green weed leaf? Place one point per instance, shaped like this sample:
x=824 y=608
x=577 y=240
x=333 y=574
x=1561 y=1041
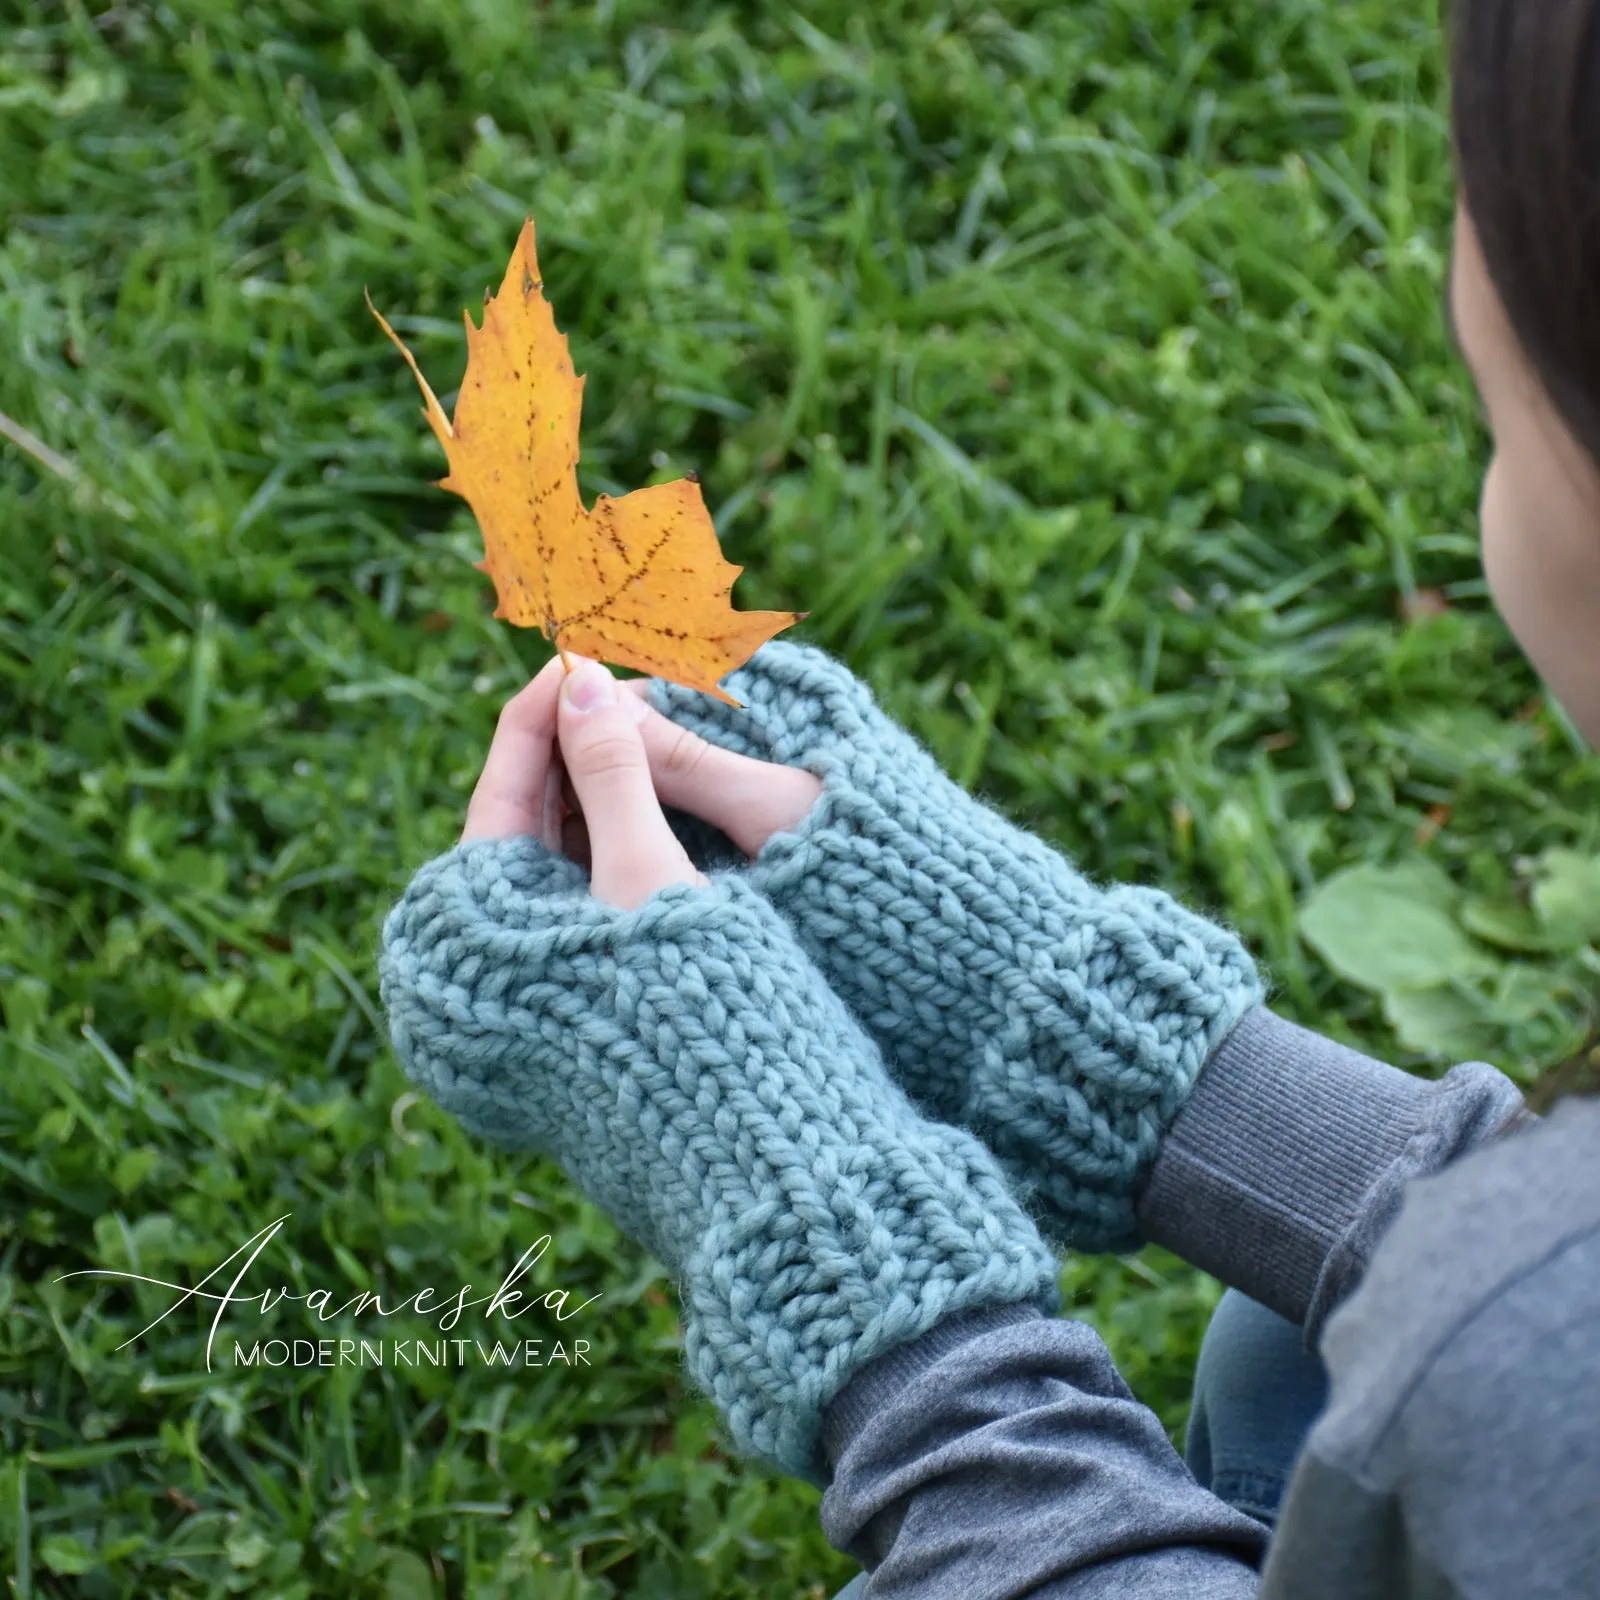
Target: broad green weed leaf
x=66 y=1554
x=1510 y=927
x=247 y=1547
x=407 y=1577
x=1566 y=896
x=1440 y=1021
x=1391 y=927
x=1523 y=992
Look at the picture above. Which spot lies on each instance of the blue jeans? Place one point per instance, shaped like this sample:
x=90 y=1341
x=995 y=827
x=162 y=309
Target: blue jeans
x=1256 y=1393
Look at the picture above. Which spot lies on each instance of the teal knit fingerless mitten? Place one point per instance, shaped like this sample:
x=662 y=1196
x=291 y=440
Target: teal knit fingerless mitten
x=698 y=1079
x=1063 y=1023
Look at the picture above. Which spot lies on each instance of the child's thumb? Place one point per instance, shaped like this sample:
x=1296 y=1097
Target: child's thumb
x=632 y=850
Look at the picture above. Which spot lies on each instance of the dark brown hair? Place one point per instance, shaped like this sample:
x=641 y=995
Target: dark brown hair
x=1525 y=111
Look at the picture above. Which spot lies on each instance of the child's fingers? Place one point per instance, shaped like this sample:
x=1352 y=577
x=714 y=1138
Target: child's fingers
x=511 y=794
x=632 y=849
x=749 y=800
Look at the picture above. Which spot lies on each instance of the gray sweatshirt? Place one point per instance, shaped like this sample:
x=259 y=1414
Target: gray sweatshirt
x=1441 y=1247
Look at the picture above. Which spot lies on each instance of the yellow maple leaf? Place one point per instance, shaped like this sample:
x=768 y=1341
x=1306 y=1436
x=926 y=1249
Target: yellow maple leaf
x=638 y=581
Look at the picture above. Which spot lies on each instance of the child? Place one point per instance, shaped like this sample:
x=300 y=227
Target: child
x=853 y=1071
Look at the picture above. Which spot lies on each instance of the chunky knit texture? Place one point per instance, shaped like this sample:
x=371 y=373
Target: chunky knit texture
x=695 y=1075
x=1062 y=1022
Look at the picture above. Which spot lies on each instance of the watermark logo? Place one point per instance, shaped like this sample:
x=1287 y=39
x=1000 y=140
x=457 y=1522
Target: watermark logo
x=505 y=1303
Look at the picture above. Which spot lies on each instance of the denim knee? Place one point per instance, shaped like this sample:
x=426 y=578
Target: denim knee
x=1257 y=1391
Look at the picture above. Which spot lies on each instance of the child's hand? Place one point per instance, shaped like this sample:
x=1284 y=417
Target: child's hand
x=632 y=850
x=749 y=800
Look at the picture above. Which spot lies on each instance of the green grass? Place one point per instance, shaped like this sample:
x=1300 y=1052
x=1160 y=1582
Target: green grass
x=1078 y=367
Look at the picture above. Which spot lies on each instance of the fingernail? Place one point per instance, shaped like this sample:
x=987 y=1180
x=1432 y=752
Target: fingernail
x=588 y=686
x=637 y=709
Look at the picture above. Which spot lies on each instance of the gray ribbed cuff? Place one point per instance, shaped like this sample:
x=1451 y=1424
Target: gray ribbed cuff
x=1290 y=1145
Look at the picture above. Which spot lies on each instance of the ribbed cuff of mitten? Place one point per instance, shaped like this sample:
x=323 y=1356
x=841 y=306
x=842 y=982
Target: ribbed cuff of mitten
x=698 y=1079
x=1281 y=1173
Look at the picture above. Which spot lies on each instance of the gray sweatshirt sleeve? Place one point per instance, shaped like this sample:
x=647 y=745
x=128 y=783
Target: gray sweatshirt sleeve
x=1001 y=1454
